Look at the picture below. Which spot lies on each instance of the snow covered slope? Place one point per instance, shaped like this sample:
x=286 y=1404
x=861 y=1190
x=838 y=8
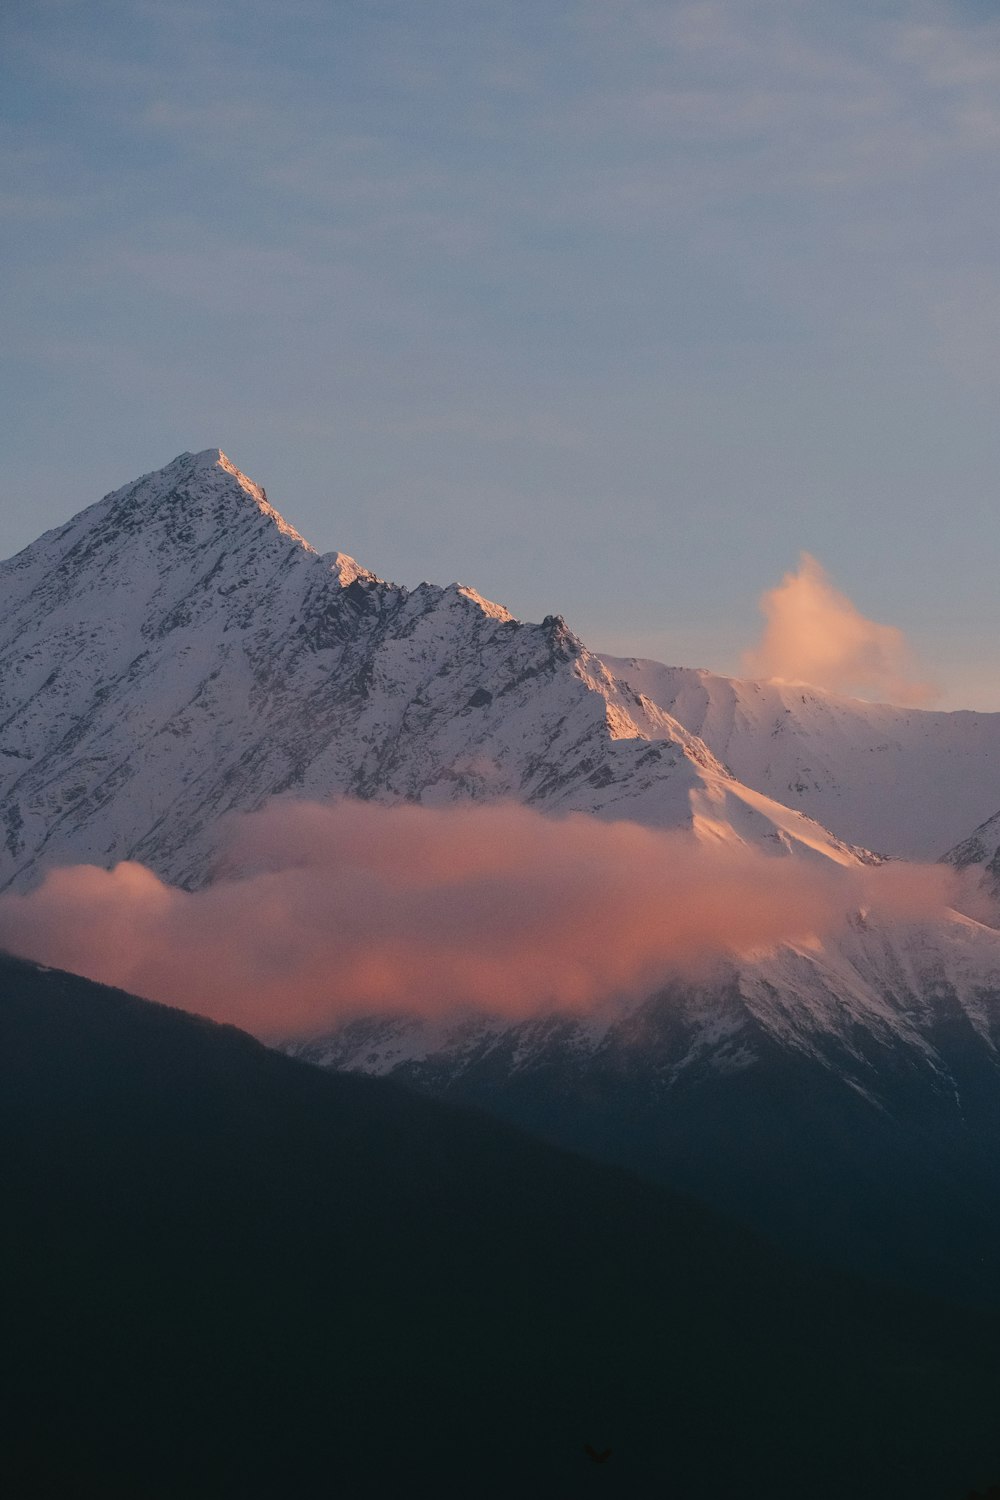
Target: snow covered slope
x=178 y=650
x=907 y=782
x=835 y=1002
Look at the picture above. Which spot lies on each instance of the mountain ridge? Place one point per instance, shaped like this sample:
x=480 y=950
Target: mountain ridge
x=178 y=651
x=908 y=782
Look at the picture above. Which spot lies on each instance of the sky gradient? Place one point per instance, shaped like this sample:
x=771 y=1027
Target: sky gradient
x=608 y=309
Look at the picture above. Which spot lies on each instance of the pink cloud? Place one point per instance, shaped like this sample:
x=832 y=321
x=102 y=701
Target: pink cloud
x=814 y=634
x=317 y=912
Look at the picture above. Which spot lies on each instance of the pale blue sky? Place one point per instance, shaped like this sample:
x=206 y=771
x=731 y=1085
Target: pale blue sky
x=606 y=307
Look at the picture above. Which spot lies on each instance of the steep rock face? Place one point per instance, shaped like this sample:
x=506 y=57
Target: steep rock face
x=905 y=781
x=178 y=651
x=844 y=1098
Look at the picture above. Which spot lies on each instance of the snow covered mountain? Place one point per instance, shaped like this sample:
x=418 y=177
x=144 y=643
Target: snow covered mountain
x=907 y=782
x=177 y=650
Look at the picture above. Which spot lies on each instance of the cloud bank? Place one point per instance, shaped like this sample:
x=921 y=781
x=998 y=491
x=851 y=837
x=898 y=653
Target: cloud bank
x=318 y=912
x=814 y=634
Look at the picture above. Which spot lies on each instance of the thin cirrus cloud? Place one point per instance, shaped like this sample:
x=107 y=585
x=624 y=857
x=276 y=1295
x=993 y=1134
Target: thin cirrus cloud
x=814 y=634
x=317 y=912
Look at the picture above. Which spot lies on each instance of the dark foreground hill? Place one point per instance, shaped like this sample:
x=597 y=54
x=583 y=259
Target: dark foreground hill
x=865 y=1137
x=230 y=1274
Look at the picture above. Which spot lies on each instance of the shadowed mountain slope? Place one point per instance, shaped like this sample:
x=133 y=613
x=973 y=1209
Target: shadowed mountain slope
x=230 y=1274
x=843 y=1097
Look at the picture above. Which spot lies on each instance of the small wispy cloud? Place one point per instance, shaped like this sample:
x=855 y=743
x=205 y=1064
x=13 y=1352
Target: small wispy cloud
x=814 y=634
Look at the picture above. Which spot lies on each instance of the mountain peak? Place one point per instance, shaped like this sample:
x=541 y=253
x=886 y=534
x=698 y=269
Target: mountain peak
x=348 y=570
x=211 y=471
x=178 y=650
x=206 y=459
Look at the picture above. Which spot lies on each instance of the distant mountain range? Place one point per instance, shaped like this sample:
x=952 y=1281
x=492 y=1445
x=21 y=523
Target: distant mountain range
x=227 y=1274
x=178 y=650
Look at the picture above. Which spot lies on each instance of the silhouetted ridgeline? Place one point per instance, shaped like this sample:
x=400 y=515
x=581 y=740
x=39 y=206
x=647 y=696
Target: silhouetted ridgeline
x=231 y=1274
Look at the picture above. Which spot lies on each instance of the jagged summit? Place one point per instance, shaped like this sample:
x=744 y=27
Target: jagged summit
x=181 y=620
x=207 y=458
x=195 y=482
x=348 y=570
x=178 y=650
x=198 y=503
x=201 y=464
